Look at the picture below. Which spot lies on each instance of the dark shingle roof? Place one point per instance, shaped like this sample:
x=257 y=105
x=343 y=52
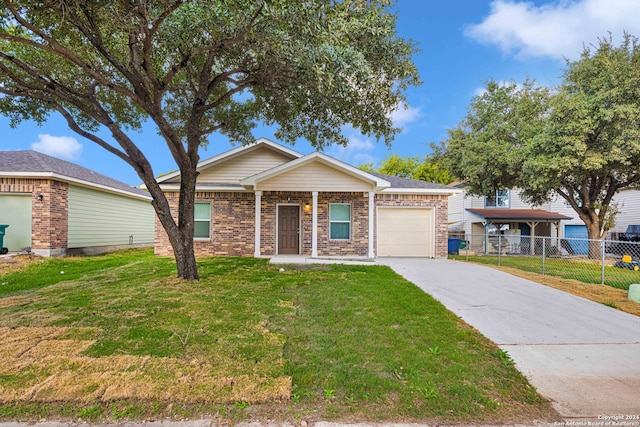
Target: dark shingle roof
x=398 y=182
x=32 y=161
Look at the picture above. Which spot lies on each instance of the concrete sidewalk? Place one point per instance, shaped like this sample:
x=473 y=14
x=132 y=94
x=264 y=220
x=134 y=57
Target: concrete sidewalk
x=582 y=355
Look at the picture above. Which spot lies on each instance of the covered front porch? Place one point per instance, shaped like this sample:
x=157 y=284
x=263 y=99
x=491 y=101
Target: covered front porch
x=514 y=231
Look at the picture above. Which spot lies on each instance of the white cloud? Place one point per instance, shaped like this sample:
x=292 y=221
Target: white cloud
x=481 y=90
x=558 y=29
x=404 y=115
x=65 y=147
x=356 y=153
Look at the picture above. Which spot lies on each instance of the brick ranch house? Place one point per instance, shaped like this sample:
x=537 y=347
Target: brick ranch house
x=54 y=207
x=265 y=200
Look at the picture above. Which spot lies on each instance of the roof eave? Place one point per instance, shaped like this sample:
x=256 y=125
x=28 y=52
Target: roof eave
x=431 y=191
x=206 y=188
x=82 y=182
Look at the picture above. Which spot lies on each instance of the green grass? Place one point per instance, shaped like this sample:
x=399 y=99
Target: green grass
x=357 y=342
x=586 y=272
x=50 y=271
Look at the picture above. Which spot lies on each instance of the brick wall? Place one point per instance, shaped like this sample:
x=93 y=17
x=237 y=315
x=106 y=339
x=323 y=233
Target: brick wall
x=440 y=203
x=358 y=244
x=233 y=216
x=49 y=223
x=232 y=225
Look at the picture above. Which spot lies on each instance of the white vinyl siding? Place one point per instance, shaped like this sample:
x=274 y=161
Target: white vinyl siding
x=242 y=166
x=315 y=177
x=460 y=219
x=405 y=232
x=629 y=206
x=15 y=210
x=98 y=218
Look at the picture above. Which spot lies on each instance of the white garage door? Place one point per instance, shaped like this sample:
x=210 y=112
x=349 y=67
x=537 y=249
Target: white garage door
x=405 y=232
x=15 y=210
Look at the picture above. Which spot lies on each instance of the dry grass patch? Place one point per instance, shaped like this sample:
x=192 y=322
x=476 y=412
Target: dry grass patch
x=607 y=295
x=40 y=365
x=11 y=264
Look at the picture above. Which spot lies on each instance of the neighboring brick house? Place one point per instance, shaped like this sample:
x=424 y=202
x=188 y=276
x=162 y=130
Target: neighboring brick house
x=265 y=200
x=55 y=207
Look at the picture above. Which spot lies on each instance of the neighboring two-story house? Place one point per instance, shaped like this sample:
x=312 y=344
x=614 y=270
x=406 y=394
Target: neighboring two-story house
x=508 y=215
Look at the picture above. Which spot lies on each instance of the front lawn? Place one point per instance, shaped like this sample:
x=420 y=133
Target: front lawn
x=118 y=336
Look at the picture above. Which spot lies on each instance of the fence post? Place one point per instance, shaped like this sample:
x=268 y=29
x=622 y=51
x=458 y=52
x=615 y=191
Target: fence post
x=544 y=254
x=467 y=246
x=499 y=248
x=603 y=256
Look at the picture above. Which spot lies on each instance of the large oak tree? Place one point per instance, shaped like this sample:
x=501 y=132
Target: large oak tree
x=202 y=66
x=579 y=141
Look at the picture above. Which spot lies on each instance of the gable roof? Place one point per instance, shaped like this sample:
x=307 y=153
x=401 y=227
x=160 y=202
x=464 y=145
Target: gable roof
x=518 y=214
x=379 y=182
x=32 y=164
x=230 y=154
x=316 y=156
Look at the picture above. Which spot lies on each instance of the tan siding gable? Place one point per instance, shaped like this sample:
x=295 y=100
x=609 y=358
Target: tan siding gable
x=247 y=164
x=104 y=219
x=314 y=176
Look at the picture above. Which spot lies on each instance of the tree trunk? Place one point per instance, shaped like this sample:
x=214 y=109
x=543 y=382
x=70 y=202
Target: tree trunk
x=180 y=234
x=186 y=260
x=593 y=233
x=181 y=239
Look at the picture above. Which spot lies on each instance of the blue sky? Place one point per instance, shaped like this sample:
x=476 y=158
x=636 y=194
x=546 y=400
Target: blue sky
x=463 y=43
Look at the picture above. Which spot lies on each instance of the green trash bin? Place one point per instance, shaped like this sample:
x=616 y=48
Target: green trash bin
x=3 y=227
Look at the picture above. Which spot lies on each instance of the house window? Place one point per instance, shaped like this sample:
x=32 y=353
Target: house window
x=500 y=200
x=340 y=221
x=202 y=221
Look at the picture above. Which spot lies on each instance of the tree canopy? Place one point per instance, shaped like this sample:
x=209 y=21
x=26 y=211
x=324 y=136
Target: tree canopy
x=579 y=141
x=198 y=67
x=422 y=168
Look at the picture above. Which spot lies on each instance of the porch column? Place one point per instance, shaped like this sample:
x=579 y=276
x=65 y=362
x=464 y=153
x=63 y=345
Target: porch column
x=371 y=224
x=532 y=237
x=256 y=227
x=314 y=224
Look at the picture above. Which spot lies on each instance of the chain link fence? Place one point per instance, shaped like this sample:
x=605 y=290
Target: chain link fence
x=610 y=262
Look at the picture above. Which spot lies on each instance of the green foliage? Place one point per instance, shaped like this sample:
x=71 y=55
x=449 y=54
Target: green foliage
x=424 y=168
x=203 y=66
x=90 y=413
x=487 y=147
x=504 y=357
x=200 y=67
x=579 y=141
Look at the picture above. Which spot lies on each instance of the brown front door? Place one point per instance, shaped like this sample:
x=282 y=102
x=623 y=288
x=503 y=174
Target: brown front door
x=288 y=225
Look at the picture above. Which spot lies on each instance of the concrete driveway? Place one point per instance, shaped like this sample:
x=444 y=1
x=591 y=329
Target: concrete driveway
x=582 y=355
